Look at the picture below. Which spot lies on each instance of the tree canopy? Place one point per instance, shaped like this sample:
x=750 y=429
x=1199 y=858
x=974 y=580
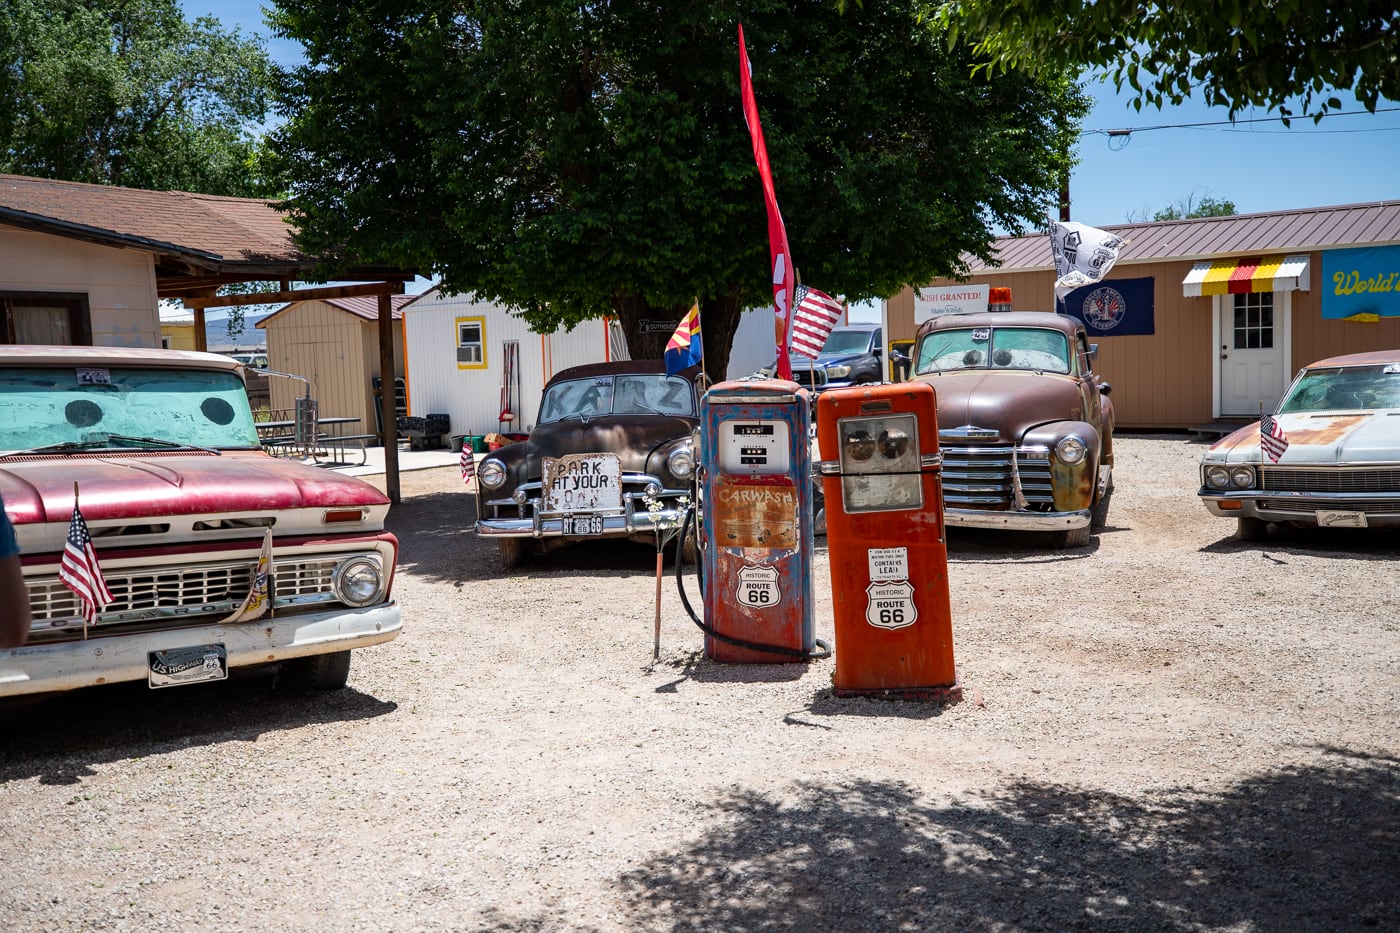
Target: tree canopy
x=127 y=92
x=1288 y=55
x=574 y=160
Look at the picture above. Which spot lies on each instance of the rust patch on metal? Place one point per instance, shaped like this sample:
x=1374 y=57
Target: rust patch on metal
x=1327 y=431
x=758 y=516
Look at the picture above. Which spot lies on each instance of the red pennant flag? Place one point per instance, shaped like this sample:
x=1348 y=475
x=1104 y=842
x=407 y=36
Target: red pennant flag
x=783 y=277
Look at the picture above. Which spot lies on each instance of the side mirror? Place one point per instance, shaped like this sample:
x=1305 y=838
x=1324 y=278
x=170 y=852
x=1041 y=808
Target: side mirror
x=878 y=351
x=1093 y=351
x=897 y=357
x=1105 y=388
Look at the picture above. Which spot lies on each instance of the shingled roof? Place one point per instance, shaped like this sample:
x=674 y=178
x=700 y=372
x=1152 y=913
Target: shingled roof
x=190 y=234
x=367 y=308
x=1200 y=238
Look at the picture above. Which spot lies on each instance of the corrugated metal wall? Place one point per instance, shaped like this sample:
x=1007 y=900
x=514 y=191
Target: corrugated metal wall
x=472 y=397
x=1166 y=381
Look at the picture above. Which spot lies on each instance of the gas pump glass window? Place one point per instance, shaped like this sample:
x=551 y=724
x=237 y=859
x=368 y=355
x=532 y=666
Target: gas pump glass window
x=1027 y=348
x=880 y=463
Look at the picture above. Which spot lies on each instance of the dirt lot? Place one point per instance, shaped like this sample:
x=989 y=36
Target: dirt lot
x=1169 y=730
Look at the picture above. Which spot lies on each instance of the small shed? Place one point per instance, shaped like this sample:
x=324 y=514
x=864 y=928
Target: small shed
x=333 y=343
x=478 y=362
x=176 y=326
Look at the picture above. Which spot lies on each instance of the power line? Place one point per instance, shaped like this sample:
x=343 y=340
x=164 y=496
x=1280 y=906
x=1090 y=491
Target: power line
x=1129 y=131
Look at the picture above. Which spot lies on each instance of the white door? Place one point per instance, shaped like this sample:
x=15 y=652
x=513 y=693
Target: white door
x=1252 y=334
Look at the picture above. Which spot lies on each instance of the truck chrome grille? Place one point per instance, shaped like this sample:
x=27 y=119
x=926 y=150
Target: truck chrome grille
x=1330 y=479
x=978 y=473
x=198 y=592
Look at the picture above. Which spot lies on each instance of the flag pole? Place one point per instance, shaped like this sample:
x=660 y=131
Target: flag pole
x=75 y=509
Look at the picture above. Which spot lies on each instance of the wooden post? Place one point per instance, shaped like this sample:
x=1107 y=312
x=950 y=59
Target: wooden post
x=201 y=337
x=387 y=411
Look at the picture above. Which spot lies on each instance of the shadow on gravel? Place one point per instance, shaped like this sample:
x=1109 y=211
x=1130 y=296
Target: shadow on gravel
x=1345 y=543
x=978 y=545
x=61 y=739
x=695 y=666
x=1307 y=848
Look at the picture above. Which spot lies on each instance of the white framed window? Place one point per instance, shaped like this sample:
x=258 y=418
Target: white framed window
x=471 y=342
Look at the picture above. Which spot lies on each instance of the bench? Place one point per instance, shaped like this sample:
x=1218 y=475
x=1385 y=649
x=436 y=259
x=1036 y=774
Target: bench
x=336 y=445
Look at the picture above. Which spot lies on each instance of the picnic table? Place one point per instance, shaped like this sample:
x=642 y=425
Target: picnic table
x=331 y=441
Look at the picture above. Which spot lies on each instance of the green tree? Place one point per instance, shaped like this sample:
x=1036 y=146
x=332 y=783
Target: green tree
x=1282 y=54
x=127 y=92
x=574 y=160
x=1187 y=208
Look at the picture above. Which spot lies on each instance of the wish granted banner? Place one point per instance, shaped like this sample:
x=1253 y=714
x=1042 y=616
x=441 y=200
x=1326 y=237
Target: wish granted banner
x=1113 y=308
x=1361 y=284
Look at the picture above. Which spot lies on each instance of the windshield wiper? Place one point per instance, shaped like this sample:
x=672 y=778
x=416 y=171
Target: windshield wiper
x=164 y=443
x=105 y=444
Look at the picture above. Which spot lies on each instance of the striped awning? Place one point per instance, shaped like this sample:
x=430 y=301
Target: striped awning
x=1241 y=276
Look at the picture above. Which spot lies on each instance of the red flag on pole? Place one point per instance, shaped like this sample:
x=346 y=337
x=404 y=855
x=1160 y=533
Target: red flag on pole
x=783 y=277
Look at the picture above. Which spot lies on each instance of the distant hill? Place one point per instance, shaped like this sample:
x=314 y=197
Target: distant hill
x=216 y=334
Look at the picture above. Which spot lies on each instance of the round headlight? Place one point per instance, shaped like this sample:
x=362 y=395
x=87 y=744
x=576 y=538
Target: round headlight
x=1242 y=477
x=491 y=474
x=838 y=372
x=681 y=462
x=1071 y=449
x=358 y=581
x=1217 y=477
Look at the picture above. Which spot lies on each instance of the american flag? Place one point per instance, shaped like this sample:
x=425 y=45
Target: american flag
x=79 y=570
x=817 y=313
x=468 y=463
x=1271 y=437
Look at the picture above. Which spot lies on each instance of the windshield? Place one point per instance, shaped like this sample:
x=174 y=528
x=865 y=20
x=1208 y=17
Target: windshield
x=1353 y=388
x=1032 y=348
x=42 y=407
x=633 y=394
x=847 y=341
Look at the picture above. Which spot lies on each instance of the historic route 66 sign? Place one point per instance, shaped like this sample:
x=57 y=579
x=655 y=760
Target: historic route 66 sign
x=758 y=587
x=890 y=605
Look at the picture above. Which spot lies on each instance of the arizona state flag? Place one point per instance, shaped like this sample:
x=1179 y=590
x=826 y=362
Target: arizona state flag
x=685 y=348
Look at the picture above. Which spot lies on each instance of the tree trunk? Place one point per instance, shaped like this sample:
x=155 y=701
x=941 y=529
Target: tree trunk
x=648 y=328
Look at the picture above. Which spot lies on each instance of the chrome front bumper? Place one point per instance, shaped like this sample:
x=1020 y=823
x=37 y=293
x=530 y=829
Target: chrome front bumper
x=1282 y=506
x=535 y=523
x=41 y=668
x=1016 y=521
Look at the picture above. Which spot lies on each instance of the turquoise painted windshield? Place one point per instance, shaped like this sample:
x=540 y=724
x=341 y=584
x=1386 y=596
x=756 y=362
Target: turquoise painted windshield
x=100 y=408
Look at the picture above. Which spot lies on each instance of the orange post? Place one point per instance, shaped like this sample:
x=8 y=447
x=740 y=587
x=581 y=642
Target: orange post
x=885 y=542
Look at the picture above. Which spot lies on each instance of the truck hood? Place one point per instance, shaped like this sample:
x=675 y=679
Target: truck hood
x=631 y=437
x=1371 y=437
x=38 y=488
x=1010 y=402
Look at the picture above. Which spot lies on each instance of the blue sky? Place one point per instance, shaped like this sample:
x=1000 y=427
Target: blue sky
x=1261 y=166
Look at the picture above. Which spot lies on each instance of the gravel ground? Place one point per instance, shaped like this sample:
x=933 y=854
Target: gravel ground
x=1168 y=730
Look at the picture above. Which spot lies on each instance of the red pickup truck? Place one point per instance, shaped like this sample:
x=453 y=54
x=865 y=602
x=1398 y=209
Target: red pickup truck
x=185 y=512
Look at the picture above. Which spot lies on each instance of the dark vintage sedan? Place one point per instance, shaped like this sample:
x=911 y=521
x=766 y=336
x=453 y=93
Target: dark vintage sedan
x=610 y=456
x=1025 y=424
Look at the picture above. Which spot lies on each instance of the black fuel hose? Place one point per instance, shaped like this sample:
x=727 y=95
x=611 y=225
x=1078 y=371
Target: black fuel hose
x=783 y=650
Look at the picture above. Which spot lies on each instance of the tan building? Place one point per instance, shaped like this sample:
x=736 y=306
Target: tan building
x=1237 y=305
x=334 y=344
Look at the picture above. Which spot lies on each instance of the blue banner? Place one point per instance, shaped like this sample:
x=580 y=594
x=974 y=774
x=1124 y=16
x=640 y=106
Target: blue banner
x=1361 y=284
x=1113 y=307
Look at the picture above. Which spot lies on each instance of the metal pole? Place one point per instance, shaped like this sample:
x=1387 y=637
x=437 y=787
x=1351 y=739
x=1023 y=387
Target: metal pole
x=388 y=412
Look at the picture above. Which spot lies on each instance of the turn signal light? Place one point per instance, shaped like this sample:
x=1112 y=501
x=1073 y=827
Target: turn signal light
x=343 y=516
x=1229 y=503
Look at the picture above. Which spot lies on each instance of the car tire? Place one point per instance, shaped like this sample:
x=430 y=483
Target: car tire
x=1074 y=537
x=512 y=552
x=1251 y=529
x=325 y=671
x=1098 y=516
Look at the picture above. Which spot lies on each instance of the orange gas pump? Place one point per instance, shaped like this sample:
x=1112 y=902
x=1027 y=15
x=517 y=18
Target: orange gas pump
x=885 y=542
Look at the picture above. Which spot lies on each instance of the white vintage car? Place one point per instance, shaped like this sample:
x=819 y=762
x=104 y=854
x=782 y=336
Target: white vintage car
x=1341 y=466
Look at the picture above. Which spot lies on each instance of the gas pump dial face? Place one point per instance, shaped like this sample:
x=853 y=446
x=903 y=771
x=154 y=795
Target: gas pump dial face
x=753 y=448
